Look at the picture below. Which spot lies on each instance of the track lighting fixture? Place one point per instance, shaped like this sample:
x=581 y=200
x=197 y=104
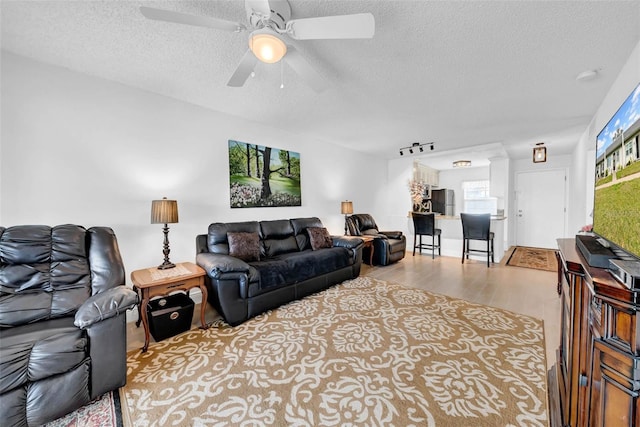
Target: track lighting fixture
x=417 y=145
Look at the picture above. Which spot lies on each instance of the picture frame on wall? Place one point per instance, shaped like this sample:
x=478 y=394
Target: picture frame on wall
x=261 y=176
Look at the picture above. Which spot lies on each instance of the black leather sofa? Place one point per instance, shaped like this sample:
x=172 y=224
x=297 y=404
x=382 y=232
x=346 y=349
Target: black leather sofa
x=286 y=268
x=388 y=246
x=62 y=320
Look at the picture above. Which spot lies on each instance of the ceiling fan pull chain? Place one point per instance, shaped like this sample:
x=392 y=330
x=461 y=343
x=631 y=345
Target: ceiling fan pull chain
x=281 y=74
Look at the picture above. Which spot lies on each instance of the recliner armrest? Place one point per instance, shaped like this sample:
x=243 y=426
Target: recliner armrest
x=392 y=234
x=105 y=305
x=217 y=264
x=349 y=242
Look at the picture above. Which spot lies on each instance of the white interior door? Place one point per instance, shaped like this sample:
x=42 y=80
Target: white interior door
x=540 y=208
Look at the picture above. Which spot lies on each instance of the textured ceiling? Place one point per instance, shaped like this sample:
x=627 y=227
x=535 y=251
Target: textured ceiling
x=466 y=73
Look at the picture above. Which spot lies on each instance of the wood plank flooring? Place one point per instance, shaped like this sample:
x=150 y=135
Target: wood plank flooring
x=522 y=290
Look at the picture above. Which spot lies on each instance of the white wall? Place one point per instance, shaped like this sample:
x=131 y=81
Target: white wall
x=398 y=199
x=78 y=149
x=584 y=154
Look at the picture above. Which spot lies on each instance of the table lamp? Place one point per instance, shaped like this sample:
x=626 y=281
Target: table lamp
x=164 y=212
x=346 y=208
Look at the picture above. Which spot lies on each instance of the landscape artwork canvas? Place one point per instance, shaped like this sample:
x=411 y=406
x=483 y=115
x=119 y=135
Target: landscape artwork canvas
x=262 y=176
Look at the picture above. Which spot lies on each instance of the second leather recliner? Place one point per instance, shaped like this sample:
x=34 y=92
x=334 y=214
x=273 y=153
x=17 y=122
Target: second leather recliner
x=388 y=246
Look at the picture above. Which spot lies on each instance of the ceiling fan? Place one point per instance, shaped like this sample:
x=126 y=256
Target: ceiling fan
x=270 y=24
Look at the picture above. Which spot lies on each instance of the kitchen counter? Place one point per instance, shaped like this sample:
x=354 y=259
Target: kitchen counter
x=457 y=217
x=451 y=227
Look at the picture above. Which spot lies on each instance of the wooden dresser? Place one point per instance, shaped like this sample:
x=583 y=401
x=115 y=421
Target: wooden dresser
x=596 y=379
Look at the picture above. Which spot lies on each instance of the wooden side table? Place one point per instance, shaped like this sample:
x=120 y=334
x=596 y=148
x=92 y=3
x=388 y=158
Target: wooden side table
x=151 y=282
x=368 y=243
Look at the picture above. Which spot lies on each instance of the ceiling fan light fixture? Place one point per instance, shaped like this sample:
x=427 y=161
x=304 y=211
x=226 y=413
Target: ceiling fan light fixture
x=267 y=46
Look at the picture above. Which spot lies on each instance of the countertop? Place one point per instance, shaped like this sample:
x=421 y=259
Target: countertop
x=457 y=217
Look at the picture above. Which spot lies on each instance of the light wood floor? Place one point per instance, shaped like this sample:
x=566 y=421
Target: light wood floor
x=521 y=290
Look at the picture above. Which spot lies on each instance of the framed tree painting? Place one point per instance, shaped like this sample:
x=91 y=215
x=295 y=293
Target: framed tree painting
x=263 y=176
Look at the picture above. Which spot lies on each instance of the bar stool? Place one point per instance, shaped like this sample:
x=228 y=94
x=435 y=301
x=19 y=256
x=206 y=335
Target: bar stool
x=476 y=227
x=424 y=225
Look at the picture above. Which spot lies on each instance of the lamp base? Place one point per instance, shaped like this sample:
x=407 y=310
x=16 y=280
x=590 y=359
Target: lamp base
x=165 y=250
x=166 y=265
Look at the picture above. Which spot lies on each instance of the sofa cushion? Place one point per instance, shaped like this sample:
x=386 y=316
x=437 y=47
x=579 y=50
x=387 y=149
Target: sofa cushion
x=277 y=237
x=32 y=352
x=294 y=267
x=300 y=226
x=276 y=229
x=245 y=246
x=274 y=247
x=309 y=263
x=217 y=242
x=273 y=274
x=319 y=237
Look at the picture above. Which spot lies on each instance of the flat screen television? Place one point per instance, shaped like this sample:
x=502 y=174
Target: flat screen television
x=616 y=210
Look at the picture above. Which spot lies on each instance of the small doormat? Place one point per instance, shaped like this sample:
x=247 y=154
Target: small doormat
x=537 y=258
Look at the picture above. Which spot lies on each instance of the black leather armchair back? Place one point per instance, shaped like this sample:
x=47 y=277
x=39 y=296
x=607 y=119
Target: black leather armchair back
x=49 y=272
x=362 y=224
x=62 y=320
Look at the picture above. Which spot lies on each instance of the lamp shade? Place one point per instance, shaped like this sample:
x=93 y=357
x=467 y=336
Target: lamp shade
x=267 y=46
x=164 y=211
x=346 y=207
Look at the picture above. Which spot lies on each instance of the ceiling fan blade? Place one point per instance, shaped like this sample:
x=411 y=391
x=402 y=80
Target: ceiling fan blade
x=358 y=26
x=245 y=67
x=260 y=7
x=305 y=70
x=184 y=18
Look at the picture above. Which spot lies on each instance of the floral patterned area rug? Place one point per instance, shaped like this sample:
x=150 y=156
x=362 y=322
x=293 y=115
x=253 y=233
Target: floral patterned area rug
x=104 y=411
x=536 y=258
x=365 y=352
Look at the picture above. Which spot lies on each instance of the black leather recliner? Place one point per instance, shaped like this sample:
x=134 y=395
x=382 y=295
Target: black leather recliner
x=388 y=246
x=62 y=320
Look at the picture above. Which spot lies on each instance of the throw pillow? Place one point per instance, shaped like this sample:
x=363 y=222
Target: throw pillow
x=245 y=246
x=319 y=237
